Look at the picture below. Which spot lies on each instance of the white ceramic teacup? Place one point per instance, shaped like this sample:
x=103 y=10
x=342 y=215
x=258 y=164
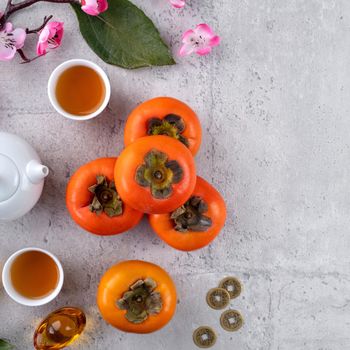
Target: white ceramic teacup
x=11 y=291
x=51 y=88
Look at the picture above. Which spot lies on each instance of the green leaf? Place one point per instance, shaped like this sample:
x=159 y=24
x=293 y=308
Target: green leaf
x=4 y=345
x=124 y=36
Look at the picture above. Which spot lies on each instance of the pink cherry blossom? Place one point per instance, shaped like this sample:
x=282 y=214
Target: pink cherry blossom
x=94 y=7
x=10 y=41
x=200 y=40
x=50 y=37
x=178 y=3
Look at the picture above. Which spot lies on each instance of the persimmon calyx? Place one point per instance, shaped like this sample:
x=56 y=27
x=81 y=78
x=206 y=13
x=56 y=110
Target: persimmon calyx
x=106 y=198
x=140 y=301
x=159 y=174
x=172 y=125
x=189 y=217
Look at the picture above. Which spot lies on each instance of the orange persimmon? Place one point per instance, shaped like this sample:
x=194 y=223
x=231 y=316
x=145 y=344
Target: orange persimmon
x=93 y=201
x=195 y=224
x=136 y=296
x=155 y=174
x=164 y=116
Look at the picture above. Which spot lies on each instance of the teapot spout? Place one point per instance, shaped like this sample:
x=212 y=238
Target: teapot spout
x=36 y=172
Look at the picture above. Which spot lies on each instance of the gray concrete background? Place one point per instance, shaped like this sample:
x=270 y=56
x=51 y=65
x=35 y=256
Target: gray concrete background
x=274 y=104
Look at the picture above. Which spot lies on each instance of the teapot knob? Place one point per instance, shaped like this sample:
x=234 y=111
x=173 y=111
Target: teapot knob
x=36 y=172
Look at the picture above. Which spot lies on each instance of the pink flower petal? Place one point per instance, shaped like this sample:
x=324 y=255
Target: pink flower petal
x=8 y=27
x=215 y=40
x=44 y=35
x=178 y=3
x=90 y=7
x=102 y=5
x=19 y=35
x=186 y=37
x=94 y=7
x=7 y=53
x=186 y=50
x=90 y=10
x=41 y=48
x=205 y=30
x=204 y=51
x=58 y=32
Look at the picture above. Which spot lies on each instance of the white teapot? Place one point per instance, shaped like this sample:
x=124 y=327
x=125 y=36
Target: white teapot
x=21 y=177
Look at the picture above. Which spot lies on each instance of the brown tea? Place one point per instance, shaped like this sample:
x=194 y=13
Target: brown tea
x=80 y=90
x=34 y=274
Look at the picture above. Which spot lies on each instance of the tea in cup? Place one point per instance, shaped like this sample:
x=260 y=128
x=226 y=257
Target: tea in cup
x=32 y=276
x=79 y=89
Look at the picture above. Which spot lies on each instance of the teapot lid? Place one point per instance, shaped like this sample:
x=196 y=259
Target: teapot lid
x=9 y=178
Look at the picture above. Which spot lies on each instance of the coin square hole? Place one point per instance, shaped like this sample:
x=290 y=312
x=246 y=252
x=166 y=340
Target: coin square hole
x=232 y=320
x=230 y=288
x=217 y=298
x=204 y=337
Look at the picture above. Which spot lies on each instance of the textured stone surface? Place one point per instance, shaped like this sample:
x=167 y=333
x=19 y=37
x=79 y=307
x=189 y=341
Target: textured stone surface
x=274 y=104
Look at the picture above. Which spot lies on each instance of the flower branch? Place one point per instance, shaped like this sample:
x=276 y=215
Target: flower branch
x=37 y=30
x=44 y=38
x=12 y=8
x=23 y=56
x=50 y=33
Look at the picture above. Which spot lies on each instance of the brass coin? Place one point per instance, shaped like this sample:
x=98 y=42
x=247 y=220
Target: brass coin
x=232 y=285
x=218 y=298
x=231 y=320
x=204 y=337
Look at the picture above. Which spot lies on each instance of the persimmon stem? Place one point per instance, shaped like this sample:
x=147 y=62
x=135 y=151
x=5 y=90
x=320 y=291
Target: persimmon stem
x=12 y=8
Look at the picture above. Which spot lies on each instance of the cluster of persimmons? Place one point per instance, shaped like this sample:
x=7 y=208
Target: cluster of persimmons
x=155 y=174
